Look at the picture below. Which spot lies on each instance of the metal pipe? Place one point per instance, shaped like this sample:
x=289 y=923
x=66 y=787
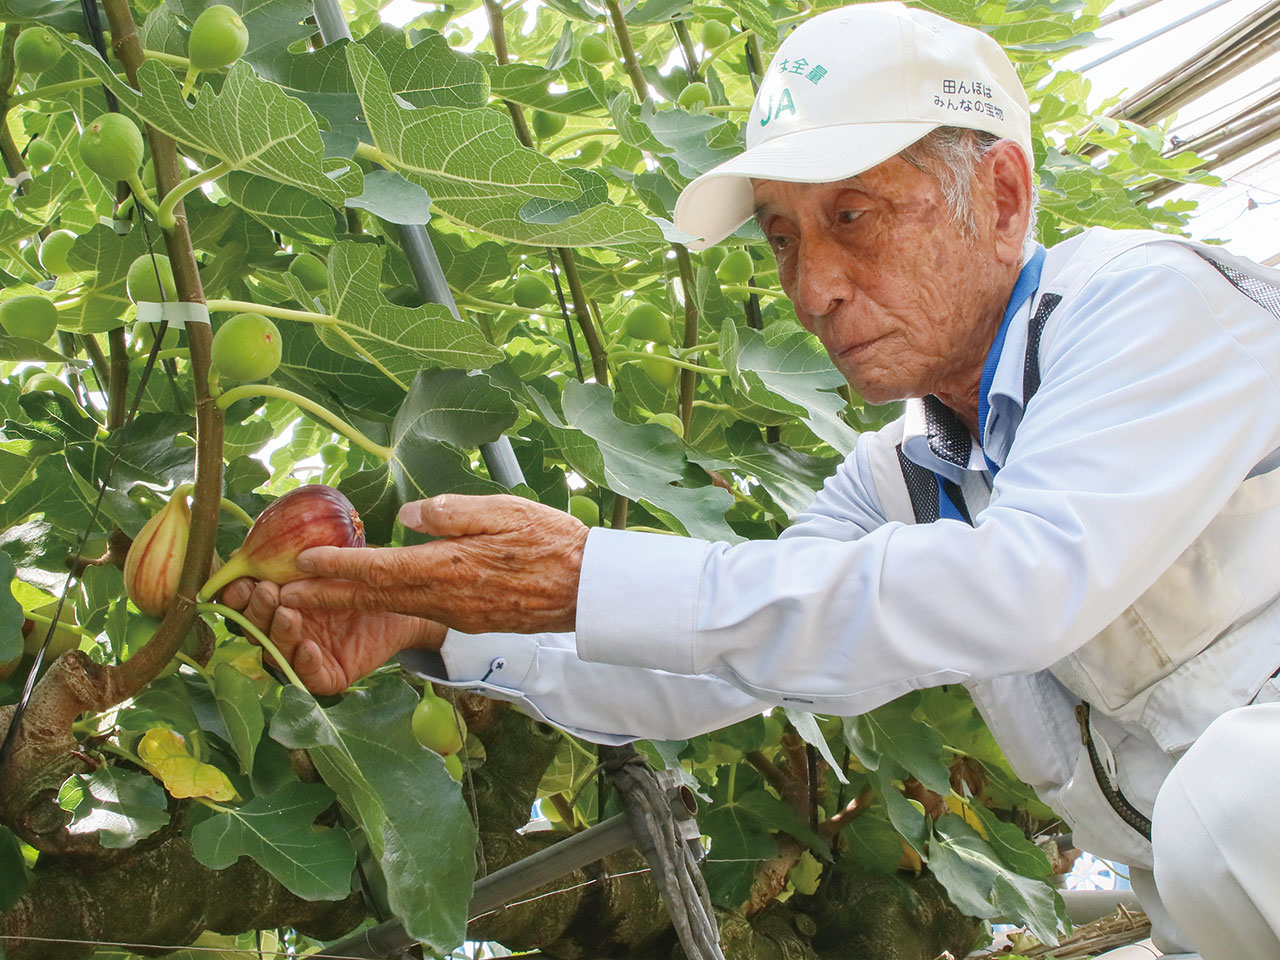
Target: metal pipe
x=500 y=887
x=1152 y=35
x=499 y=457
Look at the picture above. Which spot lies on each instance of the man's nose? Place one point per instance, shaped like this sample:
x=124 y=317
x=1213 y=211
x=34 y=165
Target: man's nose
x=822 y=277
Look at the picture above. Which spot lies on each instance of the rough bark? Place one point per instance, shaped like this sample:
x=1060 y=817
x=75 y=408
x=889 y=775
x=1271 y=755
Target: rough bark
x=157 y=895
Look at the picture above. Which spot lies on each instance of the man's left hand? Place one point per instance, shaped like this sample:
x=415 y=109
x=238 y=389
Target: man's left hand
x=503 y=563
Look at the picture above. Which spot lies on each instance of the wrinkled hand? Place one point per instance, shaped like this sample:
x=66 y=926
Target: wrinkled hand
x=329 y=649
x=504 y=564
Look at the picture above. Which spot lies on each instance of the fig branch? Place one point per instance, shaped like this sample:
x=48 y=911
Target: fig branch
x=143 y=666
x=628 y=49
x=12 y=158
x=581 y=311
x=688 y=376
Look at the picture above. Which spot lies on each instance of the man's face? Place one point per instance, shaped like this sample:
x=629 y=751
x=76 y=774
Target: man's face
x=900 y=297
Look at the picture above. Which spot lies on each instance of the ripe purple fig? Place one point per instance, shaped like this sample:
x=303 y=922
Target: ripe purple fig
x=154 y=561
x=313 y=515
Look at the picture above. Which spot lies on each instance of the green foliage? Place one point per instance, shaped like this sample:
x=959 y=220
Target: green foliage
x=317 y=158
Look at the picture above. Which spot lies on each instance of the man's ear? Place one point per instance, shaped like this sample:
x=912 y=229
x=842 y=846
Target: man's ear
x=1009 y=179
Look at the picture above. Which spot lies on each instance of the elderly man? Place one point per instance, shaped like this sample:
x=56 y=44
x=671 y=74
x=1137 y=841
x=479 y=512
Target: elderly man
x=1076 y=517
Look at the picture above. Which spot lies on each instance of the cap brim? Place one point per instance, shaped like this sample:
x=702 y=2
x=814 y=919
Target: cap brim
x=721 y=200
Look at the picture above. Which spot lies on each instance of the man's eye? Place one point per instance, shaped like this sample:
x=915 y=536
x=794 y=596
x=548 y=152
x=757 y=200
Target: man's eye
x=848 y=216
x=778 y=242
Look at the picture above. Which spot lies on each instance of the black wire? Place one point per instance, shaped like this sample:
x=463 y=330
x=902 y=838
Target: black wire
x=564 y=312
x=91 y=19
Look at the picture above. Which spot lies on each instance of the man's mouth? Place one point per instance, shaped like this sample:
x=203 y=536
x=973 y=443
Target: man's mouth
x=855 y=350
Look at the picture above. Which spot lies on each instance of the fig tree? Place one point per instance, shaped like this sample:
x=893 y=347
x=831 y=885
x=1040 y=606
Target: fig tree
x=36 y=50
x=736 y=267
x=151 y=281
x=218 y=38
x=33 y=317
x=246 y=347
x=714 y=33
x=546 y=124
x=694 y=95
x=40 y=153
x=647 y=321
x=54 y=250
x=112 y=147
x=595 y=49
x=531 y=291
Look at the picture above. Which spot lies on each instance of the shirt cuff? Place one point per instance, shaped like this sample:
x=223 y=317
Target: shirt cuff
x=638 y=599
x=495 y=659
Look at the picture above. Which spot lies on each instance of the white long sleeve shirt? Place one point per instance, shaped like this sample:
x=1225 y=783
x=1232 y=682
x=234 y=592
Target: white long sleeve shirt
x=1159 y=396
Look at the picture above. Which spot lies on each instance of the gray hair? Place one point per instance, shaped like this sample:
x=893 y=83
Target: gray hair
x=951 y=155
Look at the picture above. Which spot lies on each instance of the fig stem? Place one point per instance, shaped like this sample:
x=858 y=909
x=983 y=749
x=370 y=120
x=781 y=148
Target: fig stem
x=165 y=216
x=171 y=59
x=280 y=313
x=47 y=621
x=742 y=290
x=54 y=89
x=237 y=511
x=682 y=364
x=194 y=665
x=231 y=614
x=140 y=196
x=229 y=571
x=367 y=151
x=495 y=307
x=189 y=81
x=317 y=410
x=555 y=145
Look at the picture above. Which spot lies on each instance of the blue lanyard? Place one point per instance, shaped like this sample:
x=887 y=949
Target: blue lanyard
x=1028 y=282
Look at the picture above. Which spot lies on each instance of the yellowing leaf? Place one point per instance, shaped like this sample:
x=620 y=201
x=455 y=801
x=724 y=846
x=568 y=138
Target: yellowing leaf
x=165 y=754
x=160 y=744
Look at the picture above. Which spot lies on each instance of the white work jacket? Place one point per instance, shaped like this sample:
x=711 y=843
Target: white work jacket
x=1122 y=550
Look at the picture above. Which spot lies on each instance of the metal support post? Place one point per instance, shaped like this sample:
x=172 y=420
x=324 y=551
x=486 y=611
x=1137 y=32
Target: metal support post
x=499 y=458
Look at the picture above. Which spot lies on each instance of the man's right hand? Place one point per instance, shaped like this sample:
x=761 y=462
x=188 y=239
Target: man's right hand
x=329 y=649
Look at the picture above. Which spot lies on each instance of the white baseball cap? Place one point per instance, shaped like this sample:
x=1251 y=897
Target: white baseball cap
x=849 y=89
